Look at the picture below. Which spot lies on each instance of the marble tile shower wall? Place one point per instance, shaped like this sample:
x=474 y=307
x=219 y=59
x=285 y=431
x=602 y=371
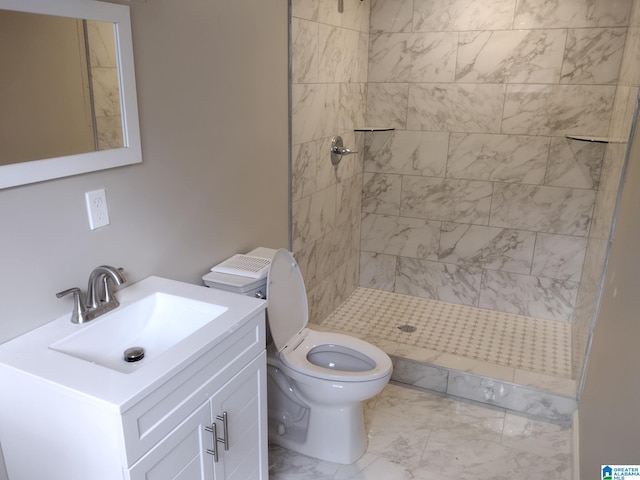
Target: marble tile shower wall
x=623 y=111
x=329 y=74
x=478 y=198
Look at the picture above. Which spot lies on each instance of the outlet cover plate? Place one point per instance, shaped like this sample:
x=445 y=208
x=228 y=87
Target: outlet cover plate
x=97 y=208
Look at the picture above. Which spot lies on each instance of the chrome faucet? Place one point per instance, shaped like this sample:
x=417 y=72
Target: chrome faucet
x=100 y=298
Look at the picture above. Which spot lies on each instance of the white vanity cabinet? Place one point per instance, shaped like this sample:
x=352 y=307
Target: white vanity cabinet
x=191 y=451
x=155 y=423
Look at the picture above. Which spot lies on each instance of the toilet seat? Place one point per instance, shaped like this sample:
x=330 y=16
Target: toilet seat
x=287 y=306
x=296 y=357
x=288 y=316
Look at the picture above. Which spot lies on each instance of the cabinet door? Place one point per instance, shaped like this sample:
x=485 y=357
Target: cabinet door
x=182 y=454
x=243 y=400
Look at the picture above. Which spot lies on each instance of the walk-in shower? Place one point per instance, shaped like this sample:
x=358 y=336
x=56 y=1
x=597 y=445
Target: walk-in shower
x=493 y=194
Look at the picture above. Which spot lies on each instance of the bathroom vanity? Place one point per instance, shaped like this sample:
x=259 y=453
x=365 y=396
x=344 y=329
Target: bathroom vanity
x=193 y=408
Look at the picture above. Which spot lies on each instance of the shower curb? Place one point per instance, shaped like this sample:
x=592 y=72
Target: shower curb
x=532 y=402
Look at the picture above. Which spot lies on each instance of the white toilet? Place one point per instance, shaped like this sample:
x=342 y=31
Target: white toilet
x=316 y=381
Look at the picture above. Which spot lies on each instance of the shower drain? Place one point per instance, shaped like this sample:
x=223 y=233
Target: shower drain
x=407 y=328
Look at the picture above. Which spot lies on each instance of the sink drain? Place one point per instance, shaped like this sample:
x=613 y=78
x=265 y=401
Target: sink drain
x=133 y=354
x=407 y=328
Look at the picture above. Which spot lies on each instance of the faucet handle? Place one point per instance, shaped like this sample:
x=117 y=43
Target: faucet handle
x=78 y=315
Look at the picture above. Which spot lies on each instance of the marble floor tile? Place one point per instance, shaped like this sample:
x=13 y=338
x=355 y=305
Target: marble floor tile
x=415 y=434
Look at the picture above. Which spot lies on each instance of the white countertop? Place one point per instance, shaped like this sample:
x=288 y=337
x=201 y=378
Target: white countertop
x=30 y=353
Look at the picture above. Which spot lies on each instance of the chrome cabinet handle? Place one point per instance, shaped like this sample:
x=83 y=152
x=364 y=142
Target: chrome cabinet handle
x=214 y=432
x=225 y=430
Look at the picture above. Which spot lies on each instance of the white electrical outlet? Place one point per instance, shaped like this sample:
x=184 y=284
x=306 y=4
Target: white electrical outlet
x=97 y=208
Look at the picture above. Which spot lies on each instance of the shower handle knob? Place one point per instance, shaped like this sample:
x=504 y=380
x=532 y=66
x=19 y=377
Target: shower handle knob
x=338 y=149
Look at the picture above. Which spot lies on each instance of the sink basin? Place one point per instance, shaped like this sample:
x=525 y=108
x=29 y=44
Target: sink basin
x=155 y=323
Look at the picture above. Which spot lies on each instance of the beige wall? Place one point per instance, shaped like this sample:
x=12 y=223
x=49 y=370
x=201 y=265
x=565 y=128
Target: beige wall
x=608 y=409
x=213 y=101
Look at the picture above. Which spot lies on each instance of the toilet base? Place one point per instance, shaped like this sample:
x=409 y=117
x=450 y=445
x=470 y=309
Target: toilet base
x=334 y=434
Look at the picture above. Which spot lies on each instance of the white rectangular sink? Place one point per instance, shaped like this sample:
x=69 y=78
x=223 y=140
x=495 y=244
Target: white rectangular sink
x=175 y=323
x=154 y=324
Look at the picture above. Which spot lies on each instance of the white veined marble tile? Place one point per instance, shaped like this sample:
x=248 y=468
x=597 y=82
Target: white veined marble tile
x=321 y=11
x=510 y=56
x=525 y=434
x=413 y=57
x=452 y=455
x=462 y=201
x=453 y=439
x=487 y=247
x=528 y=295
x=475 y=108
x=315 y=111
x=353 y=99
x=503 y=158
x=101 y=40
x=304 y=51
x=439 y=281
x=338 y=54
x=109 y=132
x=460 y=15
x=603 y=215
x=348 y=199
x=105 y=83
x=313 y=216
x=573 y=163
x=407 y=237
x=558 y=210
x=334 y=248
x=593 y=55
x=356 y=16
x=303 y=174
x=377 y=271
x=407 y=152
x=381 y=193
x=630 y=69
x=558 y=109
x=387 y=105
x=306 y=260
x=391 y=15
x=574 y=14
x=559 y=256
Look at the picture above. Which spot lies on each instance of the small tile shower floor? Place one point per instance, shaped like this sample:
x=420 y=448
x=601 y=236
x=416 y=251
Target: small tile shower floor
x=420 y=435
x=503 y=339
x=521 y=350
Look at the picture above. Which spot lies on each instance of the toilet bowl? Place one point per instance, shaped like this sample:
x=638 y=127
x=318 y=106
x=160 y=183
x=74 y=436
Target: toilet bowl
x=316 y=381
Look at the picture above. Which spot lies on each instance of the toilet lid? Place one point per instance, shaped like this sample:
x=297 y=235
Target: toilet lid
x=287 y=308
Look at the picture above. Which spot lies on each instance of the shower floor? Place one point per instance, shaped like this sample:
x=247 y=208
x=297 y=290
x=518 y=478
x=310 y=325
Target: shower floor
x=516 y=345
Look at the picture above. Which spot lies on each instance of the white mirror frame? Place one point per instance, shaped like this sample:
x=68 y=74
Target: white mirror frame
x=47 y=169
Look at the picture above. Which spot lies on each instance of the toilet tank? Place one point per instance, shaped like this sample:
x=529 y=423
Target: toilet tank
x=247 y=284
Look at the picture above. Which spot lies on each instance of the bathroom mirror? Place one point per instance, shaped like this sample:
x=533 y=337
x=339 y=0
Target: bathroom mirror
x=68 y=100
